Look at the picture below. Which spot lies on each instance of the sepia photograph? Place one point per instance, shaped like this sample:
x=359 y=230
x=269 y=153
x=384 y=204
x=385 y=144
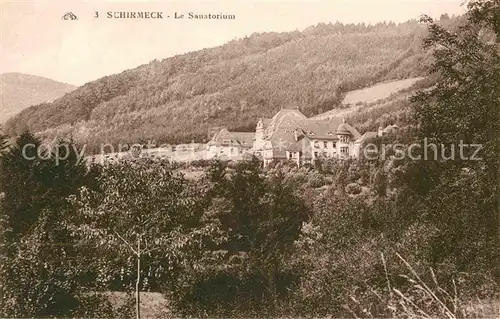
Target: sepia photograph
x=250 y=159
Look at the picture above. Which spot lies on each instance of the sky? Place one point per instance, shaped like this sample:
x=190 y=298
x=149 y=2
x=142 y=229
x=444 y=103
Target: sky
x=34 y=39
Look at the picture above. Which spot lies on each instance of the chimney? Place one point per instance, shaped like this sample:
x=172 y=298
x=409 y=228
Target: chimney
x=380 y=132
x=297 y=134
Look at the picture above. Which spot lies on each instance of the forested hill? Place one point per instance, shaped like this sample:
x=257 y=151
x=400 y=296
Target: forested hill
x=19 y=91
x=179 y=98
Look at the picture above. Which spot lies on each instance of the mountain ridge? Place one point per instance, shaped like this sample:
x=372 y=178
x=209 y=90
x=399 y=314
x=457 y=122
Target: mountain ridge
x=19 y=91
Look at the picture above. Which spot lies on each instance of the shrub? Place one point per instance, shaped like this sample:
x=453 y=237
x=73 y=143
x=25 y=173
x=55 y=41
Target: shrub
x=316 y=179
x=353 y=189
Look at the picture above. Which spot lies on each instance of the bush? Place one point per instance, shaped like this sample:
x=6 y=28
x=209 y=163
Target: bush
x=353 y=189
x=316 y=179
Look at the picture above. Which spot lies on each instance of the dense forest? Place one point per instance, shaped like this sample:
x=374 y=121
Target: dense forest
x=178 y=99
x=383 y=237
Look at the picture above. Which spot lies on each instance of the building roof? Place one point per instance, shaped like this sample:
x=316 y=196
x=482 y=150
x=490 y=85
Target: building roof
x=345 y=128
x=292 y=119
x=244 y=139
x=322 y=129
x=342 y=129
x=266 y=122
x=367 y=137
x=303 y=146
x=285 y=119
x=328 y=129
x=284 y=125
x=281 y=141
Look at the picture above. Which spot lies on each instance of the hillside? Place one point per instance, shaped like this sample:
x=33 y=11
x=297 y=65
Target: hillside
x=178 y=99
x=19 y=91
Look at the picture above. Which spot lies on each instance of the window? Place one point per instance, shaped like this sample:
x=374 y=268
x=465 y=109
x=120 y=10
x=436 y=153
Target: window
x=344 y=139
x=226 y=142
x=316 y=144
x=344 y=150
x=334 y=145
x=325 y=144
x=325 y=154
x=315 y=154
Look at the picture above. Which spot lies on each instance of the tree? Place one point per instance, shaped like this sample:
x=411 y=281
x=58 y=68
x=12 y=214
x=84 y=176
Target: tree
x=20 y=184
x=3 y=230
x=139 y=210
x=34 y=177
x=444 y=16
x=380 y=182
x=37 y=244
x=260 y=218
x=464 y=107
x=341 y=177
x=3 y=142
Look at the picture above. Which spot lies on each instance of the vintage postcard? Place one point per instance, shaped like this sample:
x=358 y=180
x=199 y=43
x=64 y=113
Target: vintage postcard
x=264 y=159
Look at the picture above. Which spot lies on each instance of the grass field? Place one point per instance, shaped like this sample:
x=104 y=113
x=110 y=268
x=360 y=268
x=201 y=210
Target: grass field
x=378 y=91
x=373 y=96
x=153 y=304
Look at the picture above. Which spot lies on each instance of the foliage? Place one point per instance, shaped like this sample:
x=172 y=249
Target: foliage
x=462 y=194
x=3 y=141
x=353 y=189
x=137 y=203
x=260 y=218
x=38 y=248
x=48 y=276
x=414 y=295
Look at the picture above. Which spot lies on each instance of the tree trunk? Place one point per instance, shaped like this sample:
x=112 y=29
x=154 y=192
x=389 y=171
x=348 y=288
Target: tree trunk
x=138 y=281
x=272 y=268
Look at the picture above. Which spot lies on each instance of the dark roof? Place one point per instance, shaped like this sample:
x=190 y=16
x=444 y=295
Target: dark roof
x=291 y=119
x=286 y=119
x=322 y=129
x=367 y=137
x=342 y=129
